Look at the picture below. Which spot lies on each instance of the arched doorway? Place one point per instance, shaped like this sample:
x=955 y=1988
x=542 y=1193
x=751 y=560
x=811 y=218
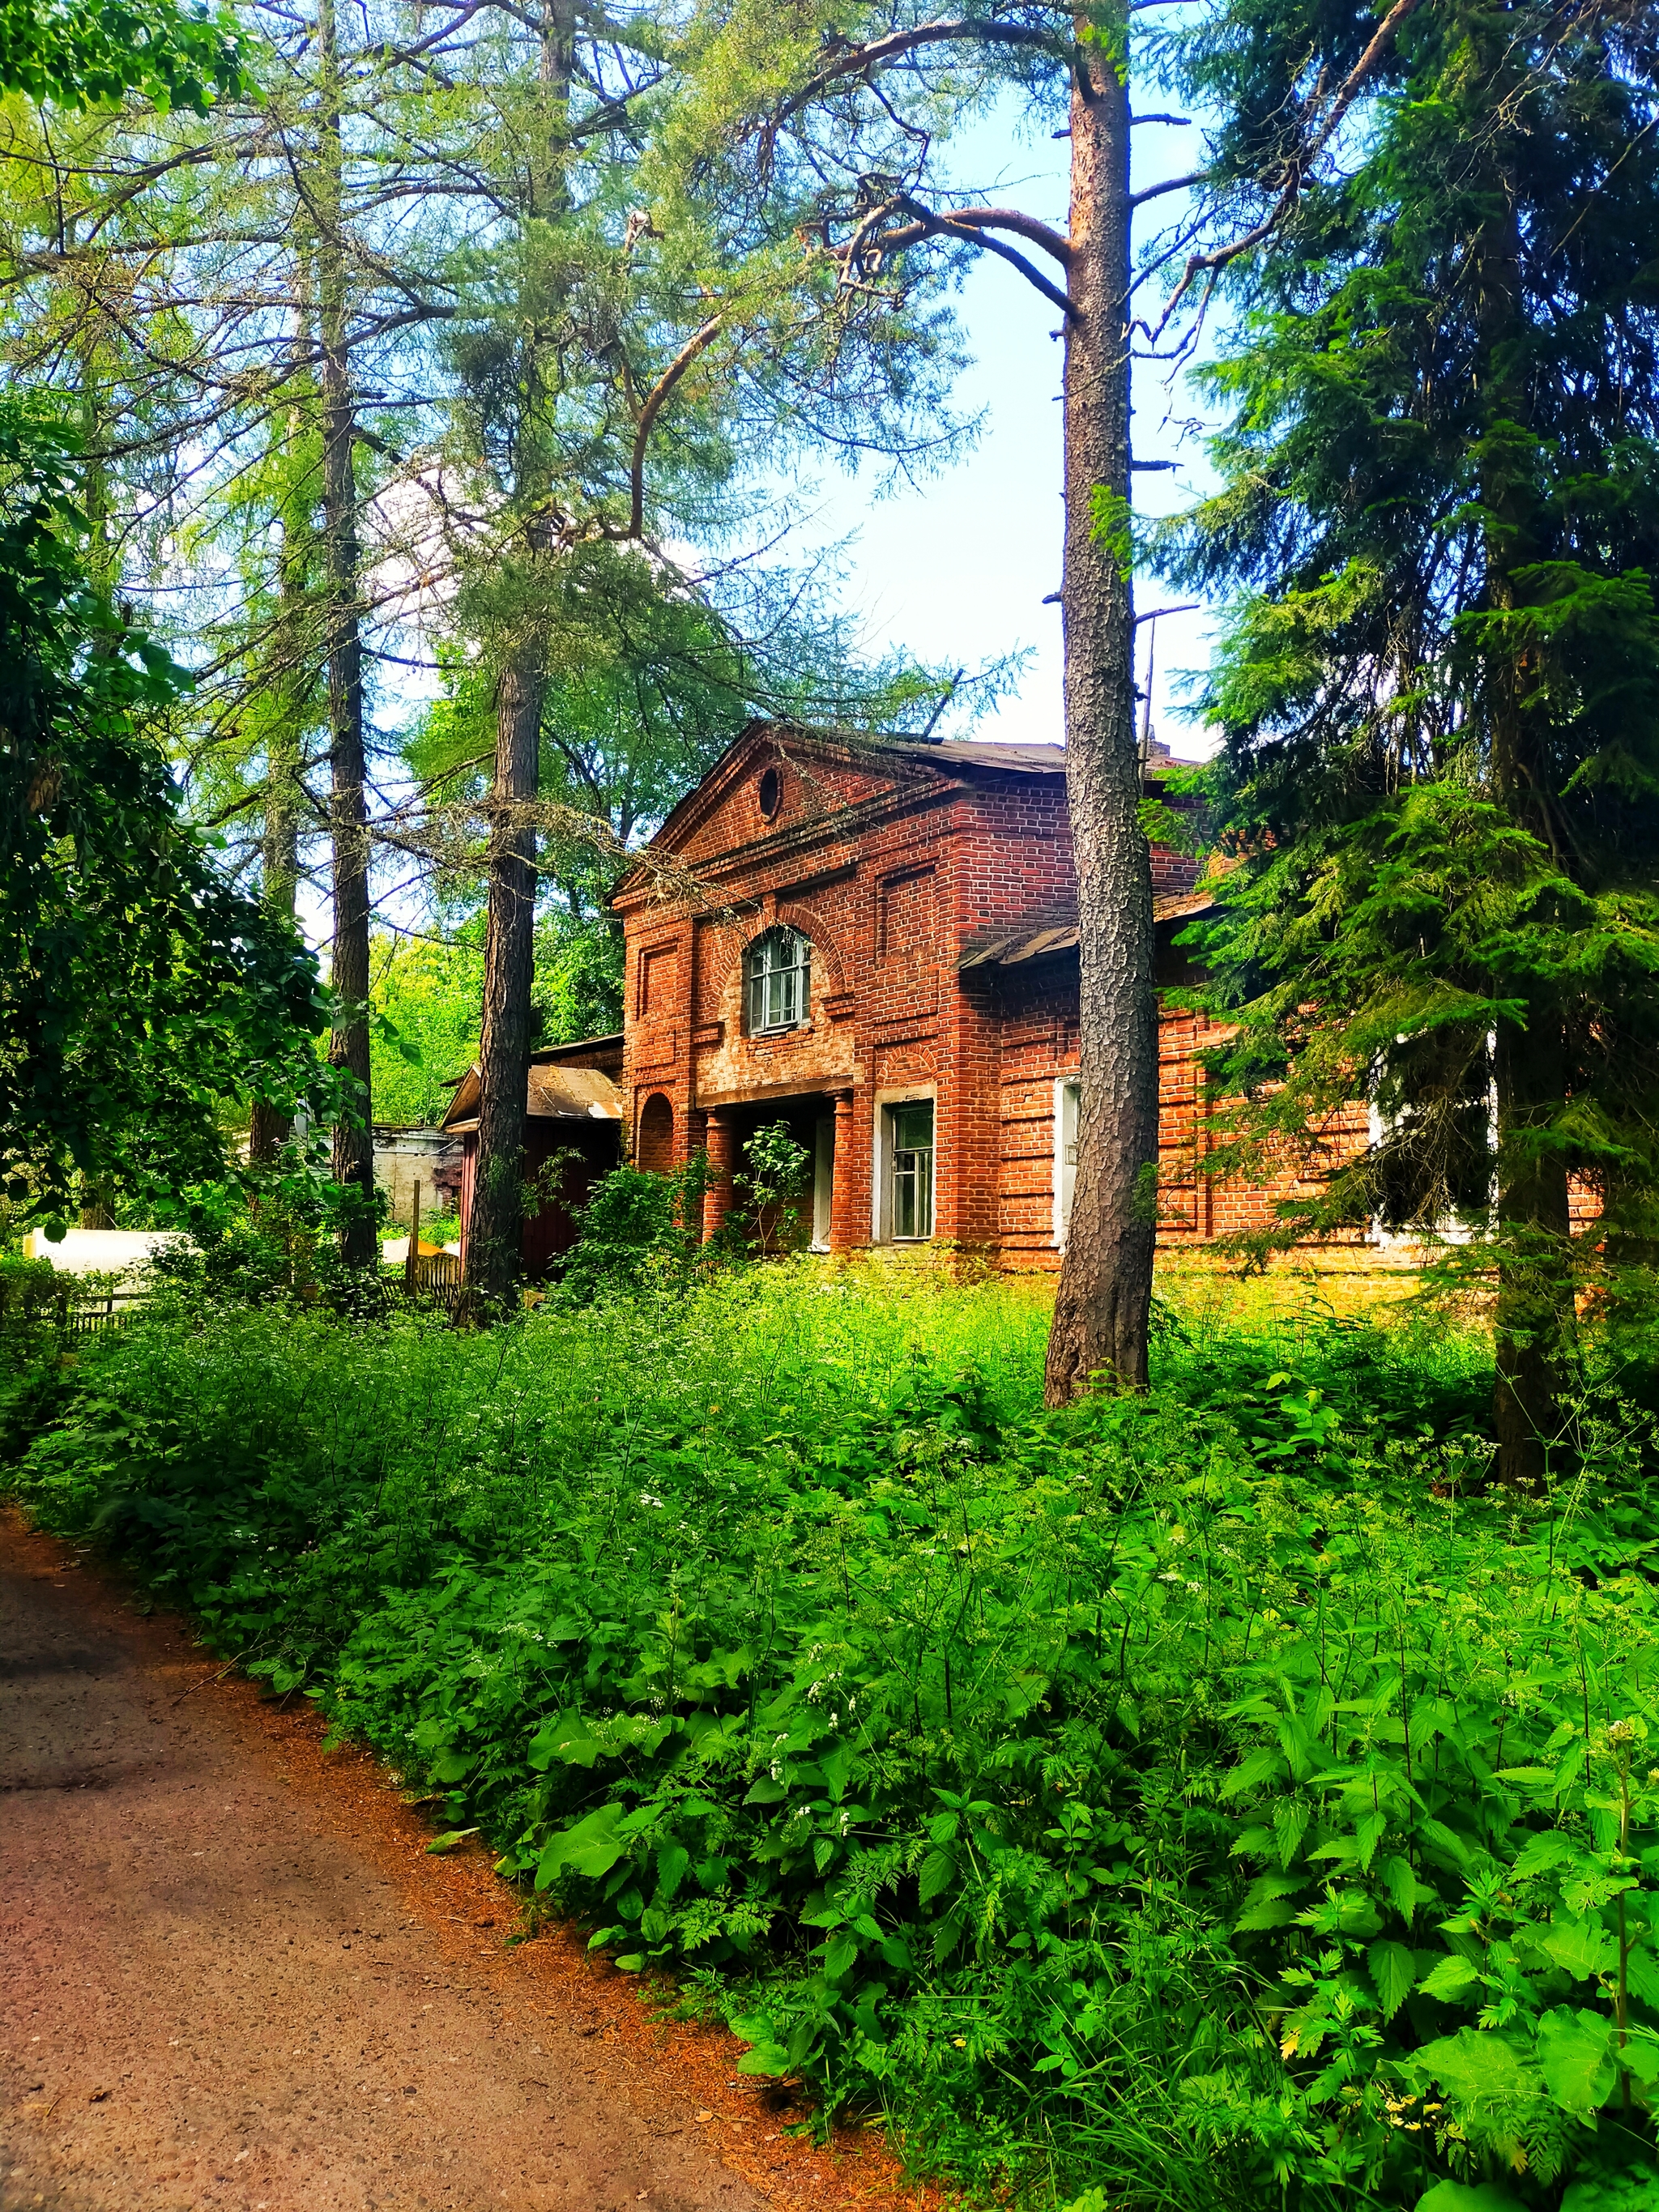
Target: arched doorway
x=655 y=1150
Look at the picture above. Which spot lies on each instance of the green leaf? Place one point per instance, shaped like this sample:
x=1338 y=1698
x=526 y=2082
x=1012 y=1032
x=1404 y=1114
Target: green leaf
x=1575 y=2055
x=1263 y=1764
x=450 y=1840
x=565 y=1738
x=1289 y=1825
x=1441 y=1839
x=1370 y=1834
x=1404 y=1890
x=591 y=1847
x=1580 y=1948
x=1451 y=1976
x=765 y=2058
x=837 y=1766
x=1642 y=1972
x=1393 y=1970
x=1475 y=2062
x=1543 y=1852
x=939 y=1871
x=839 y=1956
x=1271 y=1912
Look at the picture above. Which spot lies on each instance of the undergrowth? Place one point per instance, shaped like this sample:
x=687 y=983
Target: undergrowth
x=1207 y=1800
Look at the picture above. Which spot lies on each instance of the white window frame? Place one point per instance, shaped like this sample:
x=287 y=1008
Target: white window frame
x=881 y=1205
x=1452 y=1228
x=1068 y=1109
x=756 y=974
x=823 y=1181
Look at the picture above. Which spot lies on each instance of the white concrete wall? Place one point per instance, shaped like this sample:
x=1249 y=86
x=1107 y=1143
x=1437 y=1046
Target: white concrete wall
x=101 y=1251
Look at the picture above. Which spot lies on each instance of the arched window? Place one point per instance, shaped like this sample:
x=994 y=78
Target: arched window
x=777 y=970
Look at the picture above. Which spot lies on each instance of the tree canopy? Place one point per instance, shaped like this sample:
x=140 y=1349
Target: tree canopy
x=1439 y=687
x=136 y=984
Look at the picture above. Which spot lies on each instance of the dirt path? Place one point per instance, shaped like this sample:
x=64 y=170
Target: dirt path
x=231 y=1976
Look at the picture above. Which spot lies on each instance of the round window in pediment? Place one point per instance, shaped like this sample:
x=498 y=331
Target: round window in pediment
x=769 y=792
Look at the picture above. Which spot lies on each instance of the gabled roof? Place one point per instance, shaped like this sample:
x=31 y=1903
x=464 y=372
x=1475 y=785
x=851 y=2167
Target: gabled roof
x=849 y=746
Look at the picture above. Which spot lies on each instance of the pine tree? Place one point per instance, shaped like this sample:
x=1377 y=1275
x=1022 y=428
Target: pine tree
x=1439 y=689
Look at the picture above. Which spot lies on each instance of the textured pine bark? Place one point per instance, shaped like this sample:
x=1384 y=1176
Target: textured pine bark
x=1104 y=1298
x=1535 y=1317
x=279 y=860
x=495 y=1238
x=354 y=1149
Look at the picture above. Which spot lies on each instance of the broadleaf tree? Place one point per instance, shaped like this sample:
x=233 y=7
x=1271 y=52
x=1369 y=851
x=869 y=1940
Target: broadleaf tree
x=138 y=986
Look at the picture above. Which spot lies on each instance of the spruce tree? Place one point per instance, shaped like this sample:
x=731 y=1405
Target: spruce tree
x=1439 y=684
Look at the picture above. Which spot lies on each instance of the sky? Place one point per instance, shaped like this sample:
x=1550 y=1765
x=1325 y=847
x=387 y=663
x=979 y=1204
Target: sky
x=956 y=570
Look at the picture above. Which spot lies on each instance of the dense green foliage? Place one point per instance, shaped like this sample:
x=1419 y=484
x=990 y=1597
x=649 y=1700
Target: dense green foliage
x=424 y=999
x=137 y=985
x=1191 y=1798
x=1438 y=687
x=93 y=51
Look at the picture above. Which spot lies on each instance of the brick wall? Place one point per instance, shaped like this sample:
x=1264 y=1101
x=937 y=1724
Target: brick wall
x=892 y=866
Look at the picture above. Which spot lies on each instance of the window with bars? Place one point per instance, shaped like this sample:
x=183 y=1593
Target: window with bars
x=778 y=970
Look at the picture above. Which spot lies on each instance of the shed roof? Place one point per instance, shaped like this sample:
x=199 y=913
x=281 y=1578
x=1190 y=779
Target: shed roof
x=1010 y=952
x=555 y=1094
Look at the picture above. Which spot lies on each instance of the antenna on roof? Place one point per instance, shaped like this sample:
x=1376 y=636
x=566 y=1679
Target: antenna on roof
x=1149 y=744
x=1146 y=698
x=945 y=699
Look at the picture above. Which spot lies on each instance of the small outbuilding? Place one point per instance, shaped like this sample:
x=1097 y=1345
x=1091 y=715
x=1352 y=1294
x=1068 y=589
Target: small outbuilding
x=572 y=1136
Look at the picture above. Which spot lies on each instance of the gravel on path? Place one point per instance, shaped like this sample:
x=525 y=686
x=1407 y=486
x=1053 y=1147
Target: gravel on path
x=234 y=1978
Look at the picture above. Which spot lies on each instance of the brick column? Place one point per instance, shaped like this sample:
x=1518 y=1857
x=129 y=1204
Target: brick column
x=717 y=1200
x=696 y=1133
x=842 y=1199
x=694 y=1140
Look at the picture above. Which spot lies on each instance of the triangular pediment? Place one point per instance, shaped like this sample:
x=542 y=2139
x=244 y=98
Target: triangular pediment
x=777 y=780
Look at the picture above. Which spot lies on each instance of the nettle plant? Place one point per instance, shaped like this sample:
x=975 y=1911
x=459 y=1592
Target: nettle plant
x=1452 y=1806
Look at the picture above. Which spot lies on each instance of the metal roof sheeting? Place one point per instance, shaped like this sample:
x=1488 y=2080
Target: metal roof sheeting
x=1010 y=952
x=555 y=1094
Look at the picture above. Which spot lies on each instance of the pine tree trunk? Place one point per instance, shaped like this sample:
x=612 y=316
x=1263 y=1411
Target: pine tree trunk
x=1535 y=1318
x=353 y=1150
x=1104 y=1301
x=95 y=1204
x=495 y=1235
x=268 y=1125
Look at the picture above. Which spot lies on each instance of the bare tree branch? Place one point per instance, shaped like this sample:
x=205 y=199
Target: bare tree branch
x=1300 y=167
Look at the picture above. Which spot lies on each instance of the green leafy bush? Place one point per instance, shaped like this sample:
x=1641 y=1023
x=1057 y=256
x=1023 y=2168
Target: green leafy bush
x=1201 y=1799
x=639 y=1230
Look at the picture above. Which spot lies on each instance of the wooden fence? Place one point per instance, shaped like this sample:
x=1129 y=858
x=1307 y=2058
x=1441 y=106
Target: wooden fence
x=437 y=1281
x=73 y=1311
x=85 y=1316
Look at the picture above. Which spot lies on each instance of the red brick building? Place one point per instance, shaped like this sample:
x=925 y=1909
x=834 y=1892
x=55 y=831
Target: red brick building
x=875 y=942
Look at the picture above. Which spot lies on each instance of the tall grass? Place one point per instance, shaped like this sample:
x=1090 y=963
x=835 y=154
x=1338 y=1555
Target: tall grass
x=1208 y=1798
